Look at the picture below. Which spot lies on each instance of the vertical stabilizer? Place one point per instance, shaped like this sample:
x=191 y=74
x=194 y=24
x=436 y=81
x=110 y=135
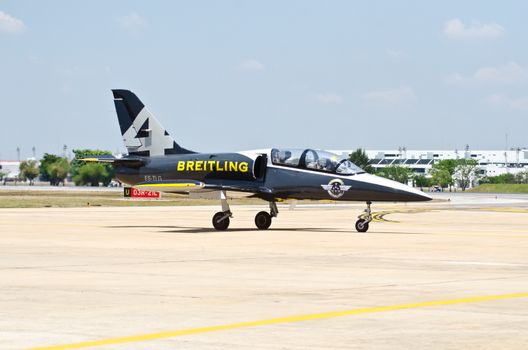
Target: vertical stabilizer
x=142 y=134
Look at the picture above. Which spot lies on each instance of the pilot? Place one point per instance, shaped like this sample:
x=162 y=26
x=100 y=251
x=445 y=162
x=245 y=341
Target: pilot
x=312 y=165
x=285 y=155
x=326 y=164
x=310 y=160
x=275 y=155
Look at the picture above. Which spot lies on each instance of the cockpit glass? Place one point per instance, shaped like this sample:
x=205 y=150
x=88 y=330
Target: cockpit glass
x=346 y=167
x=289 y=157
x=314 y=160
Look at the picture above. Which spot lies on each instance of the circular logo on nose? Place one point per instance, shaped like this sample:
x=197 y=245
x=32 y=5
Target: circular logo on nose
x=336 y=188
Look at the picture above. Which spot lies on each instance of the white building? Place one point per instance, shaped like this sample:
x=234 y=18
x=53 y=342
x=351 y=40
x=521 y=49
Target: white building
x=11 y=168
x=492 y=163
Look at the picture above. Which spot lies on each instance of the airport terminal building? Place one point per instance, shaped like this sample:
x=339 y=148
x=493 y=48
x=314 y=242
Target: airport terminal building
x=10 y=168
x=491 y=162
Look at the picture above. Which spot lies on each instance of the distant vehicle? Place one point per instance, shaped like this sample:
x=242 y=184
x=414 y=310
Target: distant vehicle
x=436 y=189
x=114 y=183
x=8 y=178
x=156 y=162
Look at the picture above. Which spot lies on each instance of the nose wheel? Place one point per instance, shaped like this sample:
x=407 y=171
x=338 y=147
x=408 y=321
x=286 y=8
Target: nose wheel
x=362 y=225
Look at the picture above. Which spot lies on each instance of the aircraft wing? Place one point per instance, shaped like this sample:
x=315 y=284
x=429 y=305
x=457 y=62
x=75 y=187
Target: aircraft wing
x=132 y=162
x=186 y=186
x=238 y=186
x=171 y=186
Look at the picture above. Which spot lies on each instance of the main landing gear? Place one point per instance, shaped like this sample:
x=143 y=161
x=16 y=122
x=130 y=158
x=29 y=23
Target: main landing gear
x=362 y=225
x=221 y=219
x=262 y=219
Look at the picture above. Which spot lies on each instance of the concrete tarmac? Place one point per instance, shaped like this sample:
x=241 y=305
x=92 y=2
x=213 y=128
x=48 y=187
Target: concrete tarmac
x=69 y=276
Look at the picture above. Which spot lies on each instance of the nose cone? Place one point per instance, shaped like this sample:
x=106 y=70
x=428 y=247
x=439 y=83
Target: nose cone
x=410 y=194
x=395 y=191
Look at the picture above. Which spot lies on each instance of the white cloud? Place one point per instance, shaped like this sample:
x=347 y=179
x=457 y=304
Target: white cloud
x=394 y=52
x=456 y=29
x=251 y=65
x=10 y=24
x=329 y=98
x=507 y=73
x=132 y=22
x=504 y=74
x=520 y=103
x=399 y=96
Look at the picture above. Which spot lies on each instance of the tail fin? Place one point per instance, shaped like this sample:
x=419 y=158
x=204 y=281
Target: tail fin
x=142 y=134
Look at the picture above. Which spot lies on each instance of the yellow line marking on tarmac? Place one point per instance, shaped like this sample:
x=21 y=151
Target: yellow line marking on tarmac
x=279 y=320
x=505 y=210
x=379 y=216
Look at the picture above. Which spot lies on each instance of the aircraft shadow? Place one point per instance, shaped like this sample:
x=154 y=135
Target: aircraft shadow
x=305 y=229
x=186 y=229
x=209 y=230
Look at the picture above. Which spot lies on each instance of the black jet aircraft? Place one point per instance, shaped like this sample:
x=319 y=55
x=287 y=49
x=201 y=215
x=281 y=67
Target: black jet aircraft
x=156 y=162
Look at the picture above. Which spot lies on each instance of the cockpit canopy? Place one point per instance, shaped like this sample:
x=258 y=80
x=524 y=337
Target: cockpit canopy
x=314 y=160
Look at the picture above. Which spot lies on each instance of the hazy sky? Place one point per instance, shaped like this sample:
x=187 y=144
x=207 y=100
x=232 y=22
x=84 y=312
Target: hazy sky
x=233 y=75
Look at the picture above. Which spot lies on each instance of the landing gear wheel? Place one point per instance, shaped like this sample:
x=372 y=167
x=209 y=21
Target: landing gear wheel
x=221 y=221
x=263 y=220
x=362 y=225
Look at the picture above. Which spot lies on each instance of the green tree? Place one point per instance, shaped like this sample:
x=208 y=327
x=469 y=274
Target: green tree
x=91 y=174
x=29 y=170
x=441 y=177
x=45 y=162
x=443 y=171
x=360 y=158
x=500 y=179
x=58 y=171
x=396 y=172
x=522 y=177
x=466 y=171
x=54 y=169
x=447 y=164
x=422 y=181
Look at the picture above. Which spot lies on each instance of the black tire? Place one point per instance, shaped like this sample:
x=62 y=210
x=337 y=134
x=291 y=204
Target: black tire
x=220 y=225
x=263 y=220
x=362 y=225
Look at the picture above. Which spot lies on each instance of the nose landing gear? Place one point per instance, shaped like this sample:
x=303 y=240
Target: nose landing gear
x=362 y=225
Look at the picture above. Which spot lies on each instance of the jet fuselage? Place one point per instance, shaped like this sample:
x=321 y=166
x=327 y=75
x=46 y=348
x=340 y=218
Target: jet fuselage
x=255 y=173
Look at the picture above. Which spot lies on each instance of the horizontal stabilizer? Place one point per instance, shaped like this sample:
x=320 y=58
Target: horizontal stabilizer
x=174 y=186
x=131 y=162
